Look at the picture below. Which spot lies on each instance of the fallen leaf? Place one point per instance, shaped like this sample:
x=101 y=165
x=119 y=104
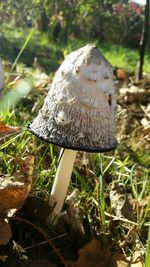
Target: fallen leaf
x=5 y=232
x=73 y=217
x=92 y=255
x=121 y=205
x=121 y=74
x=12 y=194
x=131 y=236
x=135 y=261
x=6 y=130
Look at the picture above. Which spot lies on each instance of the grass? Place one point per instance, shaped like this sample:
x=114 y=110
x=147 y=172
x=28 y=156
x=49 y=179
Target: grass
x=147 y=263
x=125 y=170
x=50 y=54
x=109 y=170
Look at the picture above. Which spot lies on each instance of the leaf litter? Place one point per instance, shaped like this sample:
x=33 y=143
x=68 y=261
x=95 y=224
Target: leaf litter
x=28 y=228
x=13 y=193
x=6 y=130
x=93 y=255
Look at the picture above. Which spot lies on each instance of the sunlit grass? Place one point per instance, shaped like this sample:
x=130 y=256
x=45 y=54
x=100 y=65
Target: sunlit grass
x=147 y=262
x=50 y=54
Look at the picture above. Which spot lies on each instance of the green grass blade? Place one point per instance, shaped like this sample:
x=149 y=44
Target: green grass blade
x=109 y=164
x=147 y=261
x=22 y=49
x=82 y=181
x=102 y=201
x=133 y=184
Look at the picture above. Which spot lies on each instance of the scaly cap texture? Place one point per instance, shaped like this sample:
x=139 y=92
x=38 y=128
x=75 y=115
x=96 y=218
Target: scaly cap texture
x=79 y=110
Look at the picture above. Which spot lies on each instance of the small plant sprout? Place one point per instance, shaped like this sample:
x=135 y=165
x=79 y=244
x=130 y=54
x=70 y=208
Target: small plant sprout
x=78 y=113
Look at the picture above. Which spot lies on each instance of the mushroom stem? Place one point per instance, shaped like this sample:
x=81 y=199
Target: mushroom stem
x=62 y=179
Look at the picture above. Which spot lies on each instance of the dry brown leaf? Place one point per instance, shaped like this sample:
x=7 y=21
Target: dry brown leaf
x=92 y=255
x=73 y=217
x=121 y=205
x=12 y=194
x=6 y=130
x=131 y=236
x=135 y=261
x=5 y=232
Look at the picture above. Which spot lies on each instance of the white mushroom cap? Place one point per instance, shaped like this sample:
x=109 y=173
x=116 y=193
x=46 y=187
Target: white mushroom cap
x=79 y=110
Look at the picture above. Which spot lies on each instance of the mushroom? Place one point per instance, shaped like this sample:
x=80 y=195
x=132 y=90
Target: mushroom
x=78 y=113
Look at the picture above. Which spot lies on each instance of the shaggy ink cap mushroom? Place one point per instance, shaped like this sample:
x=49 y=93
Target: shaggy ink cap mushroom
x=79 y=110
x=78 y=114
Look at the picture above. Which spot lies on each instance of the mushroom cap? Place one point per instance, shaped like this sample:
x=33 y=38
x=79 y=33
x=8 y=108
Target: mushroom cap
x=79 y=109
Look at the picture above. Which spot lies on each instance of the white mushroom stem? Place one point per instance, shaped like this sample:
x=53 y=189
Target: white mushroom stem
x=62 y=180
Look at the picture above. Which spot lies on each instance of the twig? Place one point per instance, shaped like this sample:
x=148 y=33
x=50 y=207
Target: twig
x=45 y=242
x=40 y=230
x=121 y=219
